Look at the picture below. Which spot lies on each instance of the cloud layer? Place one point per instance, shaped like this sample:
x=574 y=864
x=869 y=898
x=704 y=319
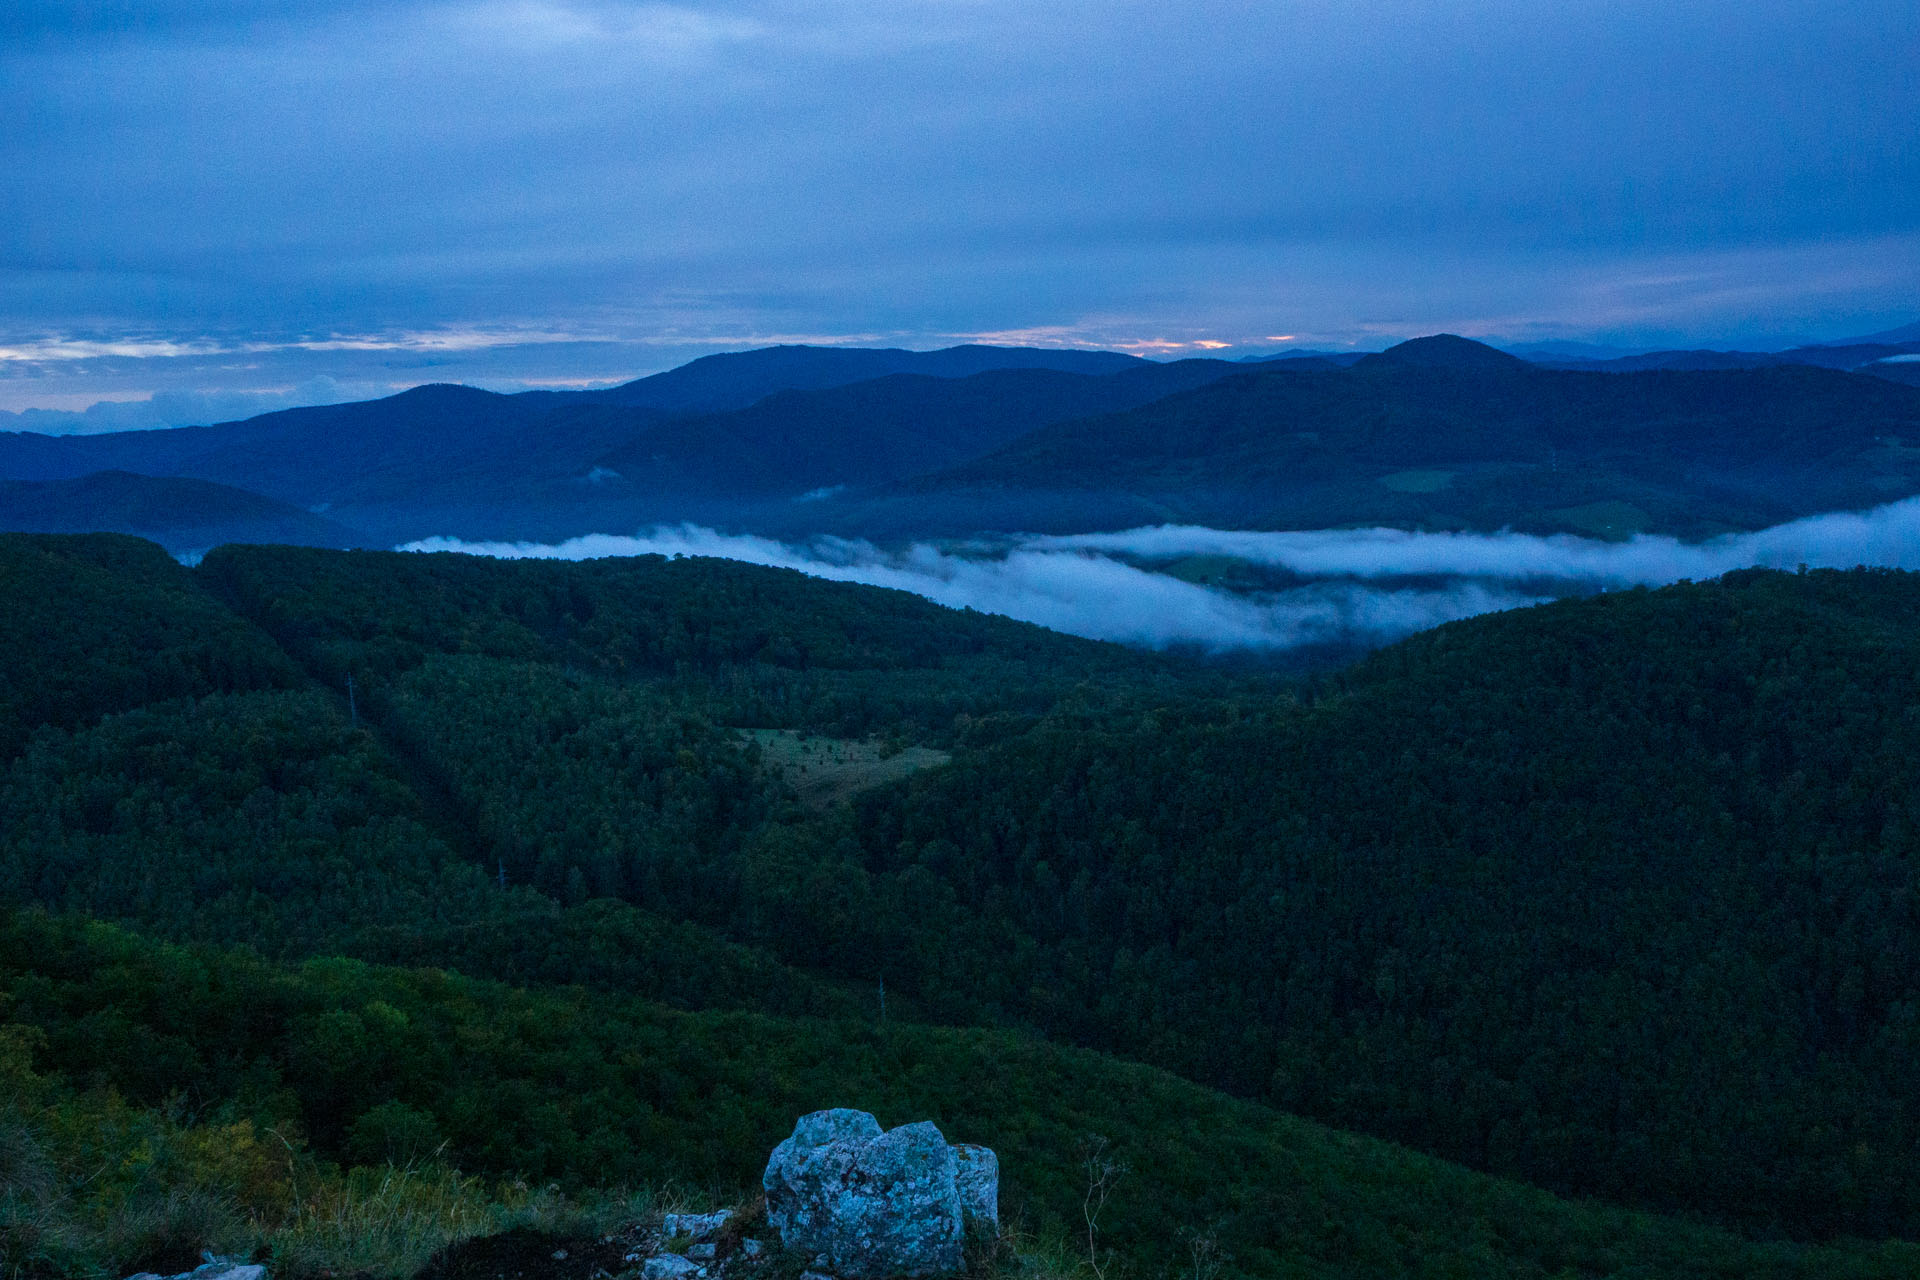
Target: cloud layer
x=1076 y=585
x=1118 y=173
x=177 y=409
x=1888 y=535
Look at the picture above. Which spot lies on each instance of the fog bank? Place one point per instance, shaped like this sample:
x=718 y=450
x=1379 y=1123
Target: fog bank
x=1888 y=535
x=1077 y=585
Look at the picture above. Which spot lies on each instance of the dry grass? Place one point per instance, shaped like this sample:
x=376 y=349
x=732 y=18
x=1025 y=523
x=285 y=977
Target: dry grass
x=824 y=772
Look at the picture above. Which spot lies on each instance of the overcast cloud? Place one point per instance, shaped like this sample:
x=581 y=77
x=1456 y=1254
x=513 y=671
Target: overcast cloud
x=1075 y=585
x=213 y=192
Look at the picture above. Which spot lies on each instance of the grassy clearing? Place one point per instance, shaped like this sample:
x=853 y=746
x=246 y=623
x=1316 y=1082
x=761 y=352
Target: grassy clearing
x=1419 y=481
x=389 y=1220
x=1609 y=520
x=824 y=772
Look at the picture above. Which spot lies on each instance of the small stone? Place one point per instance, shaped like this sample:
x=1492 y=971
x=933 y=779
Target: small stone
x=697 y=1225
x=633 y=1257
x=670 y=1266
x=703 y=1252
x=559 y=1255
x=752 y=1248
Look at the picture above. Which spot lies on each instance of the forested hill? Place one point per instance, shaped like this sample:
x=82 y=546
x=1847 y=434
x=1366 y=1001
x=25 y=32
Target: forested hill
x=794 y=443
x=1431 y=437
x=737 y=379
x=159 y=1100
x=743 y=438
x=1617 y=895
x=190 y=515
x=1438 y=432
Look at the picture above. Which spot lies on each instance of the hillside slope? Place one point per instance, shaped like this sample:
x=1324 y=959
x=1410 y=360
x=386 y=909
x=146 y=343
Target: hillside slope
x=1421 y=907
x=1444 y=444
x=1436 y=433
x=866 y=433
x=599 y=1091
x=733 y=437
x=1615 y=895
x=185 y=516
x=734 y=380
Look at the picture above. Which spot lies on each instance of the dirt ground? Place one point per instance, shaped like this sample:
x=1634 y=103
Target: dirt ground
x=524 y=1254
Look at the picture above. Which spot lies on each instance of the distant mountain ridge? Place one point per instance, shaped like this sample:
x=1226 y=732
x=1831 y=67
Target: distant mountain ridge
x=1849 y=356
x=871 y=432
x=442 y=458
x=1446 y=433
x=189 y=514
x=734 y=380
x=1441 y=351
x=1437 y=432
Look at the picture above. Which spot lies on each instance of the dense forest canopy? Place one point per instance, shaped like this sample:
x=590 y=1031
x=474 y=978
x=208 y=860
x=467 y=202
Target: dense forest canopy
x=1616 y=896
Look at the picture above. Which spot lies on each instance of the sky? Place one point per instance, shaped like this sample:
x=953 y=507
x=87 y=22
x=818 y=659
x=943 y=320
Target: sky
x=214 y=207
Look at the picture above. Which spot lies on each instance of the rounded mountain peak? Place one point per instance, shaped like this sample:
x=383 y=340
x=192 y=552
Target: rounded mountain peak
x=1445 y=351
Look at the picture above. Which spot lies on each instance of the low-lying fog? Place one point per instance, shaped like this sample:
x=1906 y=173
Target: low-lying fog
x=1285 y=590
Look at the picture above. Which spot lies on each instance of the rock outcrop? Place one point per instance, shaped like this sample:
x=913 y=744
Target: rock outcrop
x=213 y=1268
x=698 y=1226
x=873 y=1204
x=977 y=1178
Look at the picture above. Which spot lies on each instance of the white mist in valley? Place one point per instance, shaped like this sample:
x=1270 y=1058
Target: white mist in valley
x=1079 y=584
x=1888 y=536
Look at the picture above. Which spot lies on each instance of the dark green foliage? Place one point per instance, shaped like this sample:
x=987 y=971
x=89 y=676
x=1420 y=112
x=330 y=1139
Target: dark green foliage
x=266 y=817
x=597 y=1090
x=232 y=816
x=739 y=644
x=1530 y=891
x=587 y=788
x=1619 y=895
x=1615 y=895
x=99 y=623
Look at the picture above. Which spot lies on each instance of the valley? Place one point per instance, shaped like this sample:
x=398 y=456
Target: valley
x=722 y=640
x=1527 y=895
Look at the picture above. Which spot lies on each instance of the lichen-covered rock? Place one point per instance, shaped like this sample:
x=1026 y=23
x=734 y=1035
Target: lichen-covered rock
x=696 y=1225
x=670 y=1266
x=821 y=1127
x=213 y=1268
x=977 y=1178
x=874 y=1204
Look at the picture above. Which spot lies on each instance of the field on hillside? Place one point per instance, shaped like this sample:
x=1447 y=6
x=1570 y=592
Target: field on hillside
x=824 y=772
